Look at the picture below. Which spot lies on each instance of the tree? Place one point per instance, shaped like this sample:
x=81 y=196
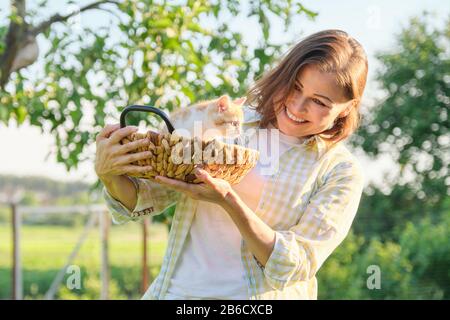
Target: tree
x=411 y=124
x=161 y=53
x=20 y=48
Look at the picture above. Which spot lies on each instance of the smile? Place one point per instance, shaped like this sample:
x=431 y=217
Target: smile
x=292 y=117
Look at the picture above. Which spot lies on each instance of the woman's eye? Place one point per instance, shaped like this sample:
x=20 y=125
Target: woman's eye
x=296 y=87
x=320 y=103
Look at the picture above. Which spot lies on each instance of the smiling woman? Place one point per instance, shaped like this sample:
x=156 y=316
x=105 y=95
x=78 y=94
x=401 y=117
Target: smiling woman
x=267 y=236
x=316 y=101
x=321 y=81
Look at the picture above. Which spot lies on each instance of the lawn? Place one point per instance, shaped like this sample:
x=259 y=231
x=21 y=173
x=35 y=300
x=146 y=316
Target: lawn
x=45 y=250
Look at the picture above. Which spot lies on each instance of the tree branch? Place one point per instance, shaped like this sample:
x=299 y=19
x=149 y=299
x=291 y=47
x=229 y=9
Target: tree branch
x=58 y=18
x=16 y=33
x=20 y=7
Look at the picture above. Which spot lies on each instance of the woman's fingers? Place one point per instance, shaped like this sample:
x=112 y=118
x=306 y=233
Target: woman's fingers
x=176 y=184
x=136 y=169
x=129 y=158
x=125 y=148
x=107 y=131
x=119 y=134
x=218 y=185
x=203 y=176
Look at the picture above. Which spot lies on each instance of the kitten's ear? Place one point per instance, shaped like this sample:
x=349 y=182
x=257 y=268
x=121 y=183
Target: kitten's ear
x=240 y=101
x=223 y=103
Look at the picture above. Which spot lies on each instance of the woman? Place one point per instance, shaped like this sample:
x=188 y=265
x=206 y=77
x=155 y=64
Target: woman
x=266 y=237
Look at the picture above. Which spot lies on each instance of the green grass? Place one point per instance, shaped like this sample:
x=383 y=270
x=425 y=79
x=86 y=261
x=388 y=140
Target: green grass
x=45 y=250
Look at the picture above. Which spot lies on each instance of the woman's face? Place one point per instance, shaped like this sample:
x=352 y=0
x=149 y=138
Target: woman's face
x=313 y=105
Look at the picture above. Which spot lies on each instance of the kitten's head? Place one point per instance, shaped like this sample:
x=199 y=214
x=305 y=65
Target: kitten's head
x=226 y=116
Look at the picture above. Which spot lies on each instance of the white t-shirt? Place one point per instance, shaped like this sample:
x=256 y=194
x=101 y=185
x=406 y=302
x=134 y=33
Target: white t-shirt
x=210 y=265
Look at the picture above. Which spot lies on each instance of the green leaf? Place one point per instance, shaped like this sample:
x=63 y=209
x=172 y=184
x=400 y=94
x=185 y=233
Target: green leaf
x=189 y=93
x=160 y=24
x=21 y=114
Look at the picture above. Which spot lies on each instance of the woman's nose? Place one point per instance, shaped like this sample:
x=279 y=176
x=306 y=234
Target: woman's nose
x=299 y=105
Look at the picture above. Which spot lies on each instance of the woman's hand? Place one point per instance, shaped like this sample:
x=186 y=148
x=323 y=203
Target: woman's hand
x=112 y=158
x=211 y=189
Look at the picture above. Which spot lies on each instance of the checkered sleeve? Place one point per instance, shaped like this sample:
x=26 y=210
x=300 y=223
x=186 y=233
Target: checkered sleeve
x=300 y=251
x=152 y=199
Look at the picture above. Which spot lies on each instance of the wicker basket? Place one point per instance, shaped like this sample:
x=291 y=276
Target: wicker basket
x=176 y=157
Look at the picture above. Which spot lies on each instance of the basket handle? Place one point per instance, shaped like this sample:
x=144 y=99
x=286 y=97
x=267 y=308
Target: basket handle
x=146 y=109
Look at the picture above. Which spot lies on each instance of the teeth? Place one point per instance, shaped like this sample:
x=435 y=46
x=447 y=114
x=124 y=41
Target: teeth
x=291 y=116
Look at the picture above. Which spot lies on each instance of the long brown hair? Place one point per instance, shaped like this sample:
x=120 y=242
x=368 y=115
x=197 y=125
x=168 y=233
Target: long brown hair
x=332 y=51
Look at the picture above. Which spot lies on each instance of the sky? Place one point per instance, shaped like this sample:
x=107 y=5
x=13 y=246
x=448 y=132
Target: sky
x=25 y=151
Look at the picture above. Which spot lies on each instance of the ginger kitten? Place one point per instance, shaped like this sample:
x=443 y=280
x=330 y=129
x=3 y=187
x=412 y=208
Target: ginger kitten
x=210 y=119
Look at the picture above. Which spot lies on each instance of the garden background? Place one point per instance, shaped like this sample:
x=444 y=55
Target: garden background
x=67 y=68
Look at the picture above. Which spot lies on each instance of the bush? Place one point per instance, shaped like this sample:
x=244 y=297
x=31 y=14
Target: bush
x=417 y=267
